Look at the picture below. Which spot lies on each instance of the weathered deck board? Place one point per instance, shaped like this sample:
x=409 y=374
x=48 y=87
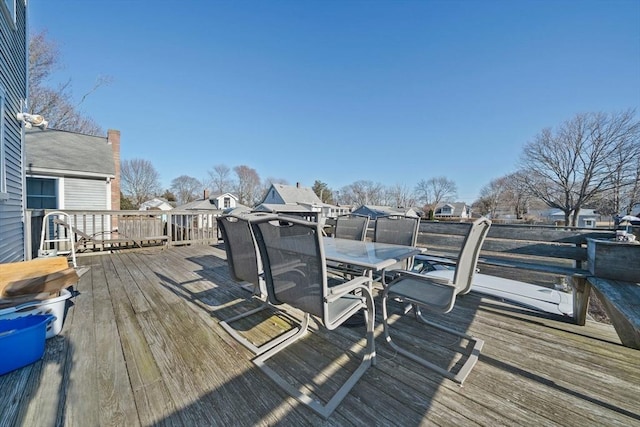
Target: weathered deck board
x=149 y=390
x=115 y=394
x=546 y=394
x=193 y=337
x=82 y=406
x=142 y=345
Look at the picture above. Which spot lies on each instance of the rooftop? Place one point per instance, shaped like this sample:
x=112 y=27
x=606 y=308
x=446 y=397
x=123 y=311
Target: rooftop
x=68 y=151
x=141 y=345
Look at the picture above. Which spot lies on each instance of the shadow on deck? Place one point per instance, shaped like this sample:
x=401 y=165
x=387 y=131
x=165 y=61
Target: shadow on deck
x=141 y=345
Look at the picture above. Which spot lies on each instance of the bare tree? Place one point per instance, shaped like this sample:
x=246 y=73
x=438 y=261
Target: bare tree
x=56 y=104
x=247 y=185
x=433 y=191
x=221 y=179
x=400 y=196
x=271 y=180
x=518 y=196
x=624 y=164
x=573 y=165
x=363 y=193
x=492 y=196
x=186 y=188
x=507 y=194
x=632 y=196
x=139 y=180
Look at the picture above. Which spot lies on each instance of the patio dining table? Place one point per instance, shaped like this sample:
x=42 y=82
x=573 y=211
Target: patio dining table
x=369 y=256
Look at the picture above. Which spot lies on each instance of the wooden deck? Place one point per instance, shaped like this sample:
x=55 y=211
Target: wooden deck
x=141 y=345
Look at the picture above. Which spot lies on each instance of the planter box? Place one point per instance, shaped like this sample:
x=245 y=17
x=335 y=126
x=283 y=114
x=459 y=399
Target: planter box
x=614 y=260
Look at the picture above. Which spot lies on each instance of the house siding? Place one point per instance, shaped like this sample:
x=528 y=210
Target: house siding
x=86 y=194
x=273 y=197
x=13 y=81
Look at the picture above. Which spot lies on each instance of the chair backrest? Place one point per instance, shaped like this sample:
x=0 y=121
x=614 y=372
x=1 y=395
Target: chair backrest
x=240 y=244
x=468 y=256
x=352 y=227
x=294 y=264
x=399 y=230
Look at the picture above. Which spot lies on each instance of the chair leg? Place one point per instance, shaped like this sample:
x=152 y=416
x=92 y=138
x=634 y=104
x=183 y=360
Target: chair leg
x=475 y=345
x=226 y=325
x=325 y=410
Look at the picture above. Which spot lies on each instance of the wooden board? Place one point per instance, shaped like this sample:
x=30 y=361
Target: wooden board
x=15 y=271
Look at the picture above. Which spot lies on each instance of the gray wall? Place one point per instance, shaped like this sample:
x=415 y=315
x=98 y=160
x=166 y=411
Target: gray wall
x=13 y=81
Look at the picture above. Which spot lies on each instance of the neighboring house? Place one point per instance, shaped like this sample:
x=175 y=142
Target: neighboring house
x=587 y=218
x=280 y=194
x=374 y=211
x=224 y=201
x=72 y=171
x=300 y=201
x=156 y=204
x=13 y=95
x=216 y=204
x=452 y=210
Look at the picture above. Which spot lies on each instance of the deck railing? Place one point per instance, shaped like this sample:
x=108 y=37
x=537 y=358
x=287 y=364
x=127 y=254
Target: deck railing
x=102 y=230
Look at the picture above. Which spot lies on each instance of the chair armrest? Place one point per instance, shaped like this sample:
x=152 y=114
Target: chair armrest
x=336 y=292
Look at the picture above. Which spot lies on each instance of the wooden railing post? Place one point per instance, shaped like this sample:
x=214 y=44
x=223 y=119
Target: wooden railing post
x=581 y=293
x=169 y=234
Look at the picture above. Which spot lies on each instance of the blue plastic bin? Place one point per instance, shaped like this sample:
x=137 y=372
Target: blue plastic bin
x=22 y=341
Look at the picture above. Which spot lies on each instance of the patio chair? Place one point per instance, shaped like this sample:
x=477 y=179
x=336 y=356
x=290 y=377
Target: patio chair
x=352 y=227
x=439 y=295
x=295 y=273
x=397 y=230
x=245 y=267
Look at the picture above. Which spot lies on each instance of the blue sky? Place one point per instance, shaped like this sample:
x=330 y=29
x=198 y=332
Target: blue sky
x=338 y=91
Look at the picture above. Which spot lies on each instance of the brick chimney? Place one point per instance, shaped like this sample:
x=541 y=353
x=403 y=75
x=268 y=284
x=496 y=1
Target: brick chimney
x=113 y=139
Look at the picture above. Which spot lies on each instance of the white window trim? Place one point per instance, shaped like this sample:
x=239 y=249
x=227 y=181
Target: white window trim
x=4 y=195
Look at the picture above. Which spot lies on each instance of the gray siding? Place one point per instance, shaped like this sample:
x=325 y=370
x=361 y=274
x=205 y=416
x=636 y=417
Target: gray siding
x=13 y=79
x=273 y=197
x=85 y=194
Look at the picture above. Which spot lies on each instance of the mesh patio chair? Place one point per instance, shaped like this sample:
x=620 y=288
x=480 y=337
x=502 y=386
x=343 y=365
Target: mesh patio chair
x=295 y=274
x=397 y=230
x=352 y=227
x=439 y=295
x=245 y=267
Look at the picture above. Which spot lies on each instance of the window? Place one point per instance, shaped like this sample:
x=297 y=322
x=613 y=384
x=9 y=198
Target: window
x=41 y=193
x=227 y=202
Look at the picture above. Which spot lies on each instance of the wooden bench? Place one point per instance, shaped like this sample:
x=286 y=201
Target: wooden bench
x=622 y=304
x=105 y=240
x=559 y=252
